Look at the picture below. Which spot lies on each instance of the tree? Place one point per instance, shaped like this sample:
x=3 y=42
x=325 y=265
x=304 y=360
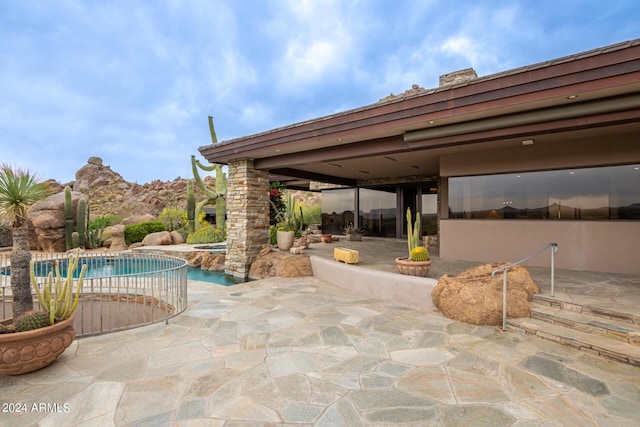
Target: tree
x=19 y=189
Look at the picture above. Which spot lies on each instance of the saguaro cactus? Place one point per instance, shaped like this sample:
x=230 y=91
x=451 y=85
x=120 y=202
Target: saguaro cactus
x=68 y=217
x=191 y=207
x=212 y=197
x=81 y=221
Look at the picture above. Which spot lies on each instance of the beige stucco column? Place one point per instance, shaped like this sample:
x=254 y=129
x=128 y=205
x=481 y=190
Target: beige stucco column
x=247 y=215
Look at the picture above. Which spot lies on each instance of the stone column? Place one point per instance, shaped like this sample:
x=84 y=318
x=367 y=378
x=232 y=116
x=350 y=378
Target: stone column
x=247 y=216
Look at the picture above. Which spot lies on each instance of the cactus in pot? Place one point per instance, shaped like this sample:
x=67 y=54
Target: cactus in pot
x=418 y=262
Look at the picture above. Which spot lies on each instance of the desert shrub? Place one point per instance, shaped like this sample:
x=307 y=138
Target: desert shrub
x=135 y=233
x=112 y=219
x=207 y=234
x=96 y=231
x=173 y=218
x=273 y=235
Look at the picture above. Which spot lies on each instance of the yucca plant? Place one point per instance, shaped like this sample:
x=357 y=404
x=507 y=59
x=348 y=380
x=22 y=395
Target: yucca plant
x=19 y=189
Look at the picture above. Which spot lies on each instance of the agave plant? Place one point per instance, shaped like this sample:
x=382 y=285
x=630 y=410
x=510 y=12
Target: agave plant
x=19 y=189
x=56 y=296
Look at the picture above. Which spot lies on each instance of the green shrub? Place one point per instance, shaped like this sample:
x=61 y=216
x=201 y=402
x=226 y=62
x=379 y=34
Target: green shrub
x=112 y=219
x=173 y=219
x=207 y=234
x=95 y=233
x=273 y=235
x=135 y=233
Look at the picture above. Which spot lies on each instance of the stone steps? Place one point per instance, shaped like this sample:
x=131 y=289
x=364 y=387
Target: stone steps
x=604 y=331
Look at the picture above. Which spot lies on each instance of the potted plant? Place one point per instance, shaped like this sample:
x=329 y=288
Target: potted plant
x=290 y=226
x=34 y=339
x=418 y=262
x=353 y=233
x=19 y=189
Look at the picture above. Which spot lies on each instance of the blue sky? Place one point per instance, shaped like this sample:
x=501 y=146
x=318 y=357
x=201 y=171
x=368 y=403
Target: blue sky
x=133 y=82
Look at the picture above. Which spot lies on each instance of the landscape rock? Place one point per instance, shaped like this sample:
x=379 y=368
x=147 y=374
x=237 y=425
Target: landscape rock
x=206 y=260
x=475 y=297
x=160 y=238
x=281 y=264
x=47 y=217
x=212 y=262
x=176 y=238
x=117 y=238
x=95 y=174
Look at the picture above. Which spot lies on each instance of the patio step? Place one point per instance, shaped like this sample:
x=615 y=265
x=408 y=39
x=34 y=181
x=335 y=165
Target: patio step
x=612 y=335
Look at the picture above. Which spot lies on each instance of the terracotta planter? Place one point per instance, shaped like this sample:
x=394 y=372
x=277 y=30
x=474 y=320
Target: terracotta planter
x=22 y=352
x=285 y=240
x=413 y=268
x=326 y=238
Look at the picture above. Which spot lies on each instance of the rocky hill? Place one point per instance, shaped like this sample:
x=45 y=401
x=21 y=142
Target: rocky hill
x=110 y=194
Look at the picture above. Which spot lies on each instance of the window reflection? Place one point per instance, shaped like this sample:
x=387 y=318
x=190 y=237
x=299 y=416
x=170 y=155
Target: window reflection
x=378 y=211
x=337 y=210
x=587 y=194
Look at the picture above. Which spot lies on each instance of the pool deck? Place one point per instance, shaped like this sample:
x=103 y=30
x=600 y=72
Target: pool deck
x=302 y=352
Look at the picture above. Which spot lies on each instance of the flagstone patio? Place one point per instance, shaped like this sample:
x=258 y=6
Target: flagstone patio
x=303 y=352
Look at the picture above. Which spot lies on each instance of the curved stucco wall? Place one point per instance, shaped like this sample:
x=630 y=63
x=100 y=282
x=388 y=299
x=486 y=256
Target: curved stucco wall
x=409 y=291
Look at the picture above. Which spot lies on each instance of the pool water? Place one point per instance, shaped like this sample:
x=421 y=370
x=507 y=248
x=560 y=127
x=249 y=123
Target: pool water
x=99 y=267
x=106 y=268
x=217 y=277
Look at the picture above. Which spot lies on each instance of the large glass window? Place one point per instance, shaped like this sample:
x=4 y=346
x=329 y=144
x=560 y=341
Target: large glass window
x=378 y=211
x=429 y=212
x=337 y=209
x=589 y=194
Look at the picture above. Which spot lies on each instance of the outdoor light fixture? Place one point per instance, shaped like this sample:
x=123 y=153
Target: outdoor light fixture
x=527 y=142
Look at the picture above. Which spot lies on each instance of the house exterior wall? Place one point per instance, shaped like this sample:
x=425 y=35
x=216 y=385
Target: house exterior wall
x=247 y=216
x=607 y=246
x=602 y=245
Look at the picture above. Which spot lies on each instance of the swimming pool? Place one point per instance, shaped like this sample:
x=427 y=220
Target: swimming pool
x=140 y=267
x=217 y=277
x=119 y=290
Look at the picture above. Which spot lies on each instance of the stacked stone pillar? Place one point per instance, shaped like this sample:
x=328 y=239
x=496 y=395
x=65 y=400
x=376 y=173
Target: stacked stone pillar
x=247 y=216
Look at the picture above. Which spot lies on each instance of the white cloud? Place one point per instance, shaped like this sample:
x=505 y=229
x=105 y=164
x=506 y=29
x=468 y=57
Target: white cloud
x=464 y=46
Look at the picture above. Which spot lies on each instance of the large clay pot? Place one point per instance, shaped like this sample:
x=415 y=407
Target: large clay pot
x=285 y=240
x=355 y=237
x=413 y=268
x=22 y=352
x=326 y=238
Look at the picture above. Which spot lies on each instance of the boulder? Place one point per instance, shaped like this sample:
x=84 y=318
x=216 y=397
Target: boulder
x=176 y=238
x=281 y=264
x=475 y=297
x=194 y=259
x=206 y=260
x=47 y=217
x=94 y=174
x=212 y=262
x=117 y=238
x=159 y=238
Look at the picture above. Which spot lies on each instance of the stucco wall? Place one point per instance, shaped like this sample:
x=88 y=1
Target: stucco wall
x=607 y=246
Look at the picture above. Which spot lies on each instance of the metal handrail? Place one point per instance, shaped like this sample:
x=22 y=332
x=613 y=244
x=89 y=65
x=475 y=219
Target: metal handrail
x=110 y=302
x=554 y=249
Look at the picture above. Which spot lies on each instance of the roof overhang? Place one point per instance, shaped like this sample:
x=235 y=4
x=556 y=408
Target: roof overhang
x=596 y=91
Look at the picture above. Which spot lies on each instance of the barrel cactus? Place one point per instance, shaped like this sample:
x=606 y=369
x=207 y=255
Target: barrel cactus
x=31 y=320
x=419 y=253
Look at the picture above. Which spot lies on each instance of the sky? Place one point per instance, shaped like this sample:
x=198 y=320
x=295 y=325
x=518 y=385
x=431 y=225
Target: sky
x=133 y=82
